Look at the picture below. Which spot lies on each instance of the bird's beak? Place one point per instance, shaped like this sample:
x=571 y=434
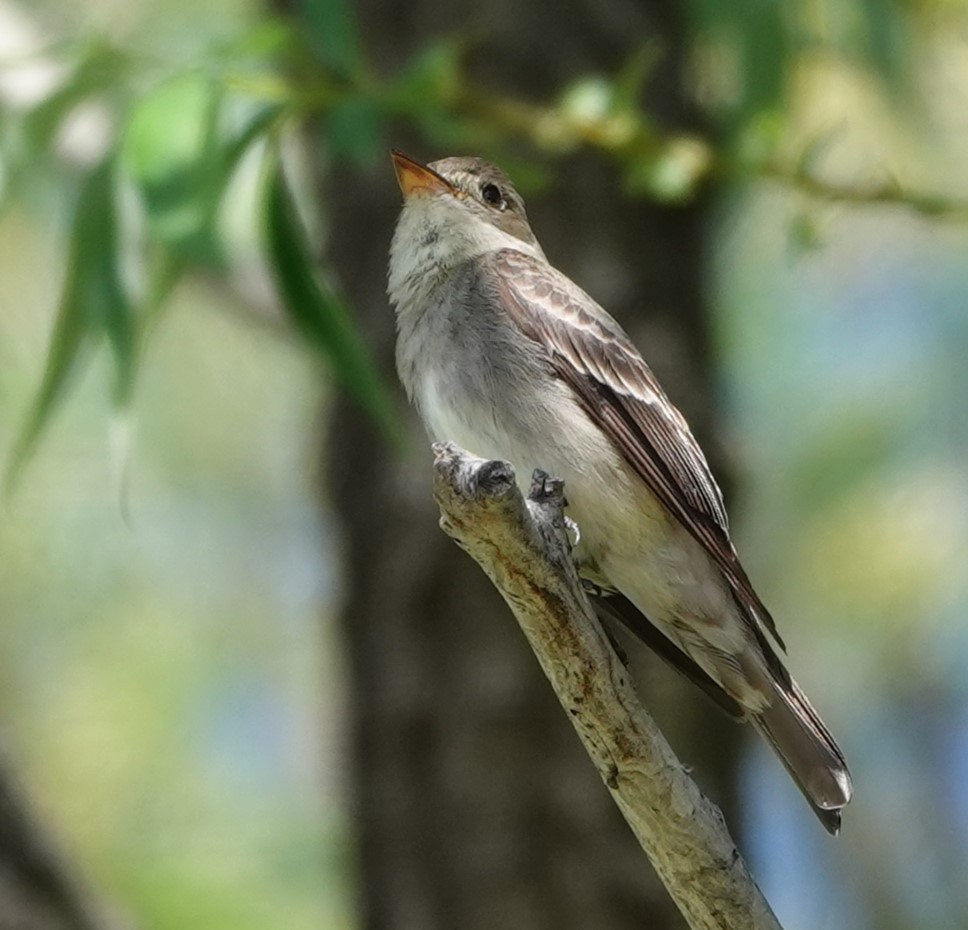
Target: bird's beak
x=415 y=178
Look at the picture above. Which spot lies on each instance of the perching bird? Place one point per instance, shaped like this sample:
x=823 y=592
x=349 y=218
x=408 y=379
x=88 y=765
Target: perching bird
x=504 y=355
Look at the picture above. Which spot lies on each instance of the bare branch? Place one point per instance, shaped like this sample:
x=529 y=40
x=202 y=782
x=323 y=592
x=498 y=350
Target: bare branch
x=524 y=549
x=635 y=141
x=888 y=192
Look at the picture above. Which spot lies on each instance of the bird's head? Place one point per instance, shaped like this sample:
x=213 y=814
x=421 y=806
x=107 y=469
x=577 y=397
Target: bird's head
x=454 y=210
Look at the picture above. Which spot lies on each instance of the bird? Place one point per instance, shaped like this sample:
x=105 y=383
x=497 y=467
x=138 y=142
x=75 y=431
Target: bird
x=504 y=355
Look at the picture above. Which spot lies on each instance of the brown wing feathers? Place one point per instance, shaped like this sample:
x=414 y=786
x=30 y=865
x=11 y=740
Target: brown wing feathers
x=618 y=389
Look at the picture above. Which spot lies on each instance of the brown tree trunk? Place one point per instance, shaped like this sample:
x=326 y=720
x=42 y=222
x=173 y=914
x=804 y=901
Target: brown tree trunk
x=474 y=804
x=38 y=890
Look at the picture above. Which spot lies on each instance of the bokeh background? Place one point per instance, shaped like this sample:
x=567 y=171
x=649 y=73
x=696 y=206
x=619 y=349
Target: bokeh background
x=178 y=714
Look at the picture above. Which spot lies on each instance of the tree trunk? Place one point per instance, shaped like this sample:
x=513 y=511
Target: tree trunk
x=474 y=803
x=38 y=889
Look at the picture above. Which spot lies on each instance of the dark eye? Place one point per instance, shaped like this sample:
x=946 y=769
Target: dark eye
x=491 y=194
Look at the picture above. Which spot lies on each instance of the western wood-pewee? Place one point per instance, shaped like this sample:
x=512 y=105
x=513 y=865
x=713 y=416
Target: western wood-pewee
x=504 y=355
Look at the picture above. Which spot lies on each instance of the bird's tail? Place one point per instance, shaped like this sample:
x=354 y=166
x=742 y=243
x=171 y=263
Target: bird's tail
x=808 y=751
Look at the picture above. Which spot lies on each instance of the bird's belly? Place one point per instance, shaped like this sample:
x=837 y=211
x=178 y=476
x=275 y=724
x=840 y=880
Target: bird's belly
x=627 y=537
x=529 y=429
x=613 y=508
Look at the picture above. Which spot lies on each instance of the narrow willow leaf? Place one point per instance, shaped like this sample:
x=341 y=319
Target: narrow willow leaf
x=258 y=125
x=171 y=154
x=630 y=82
x=92 y=304
x=103 y=292
x=180 y=154
x=98 y=69
x=315 y=312
x=70 y=339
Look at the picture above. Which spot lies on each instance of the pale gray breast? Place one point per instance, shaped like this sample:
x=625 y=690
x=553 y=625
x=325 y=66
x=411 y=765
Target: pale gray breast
x=475 y=378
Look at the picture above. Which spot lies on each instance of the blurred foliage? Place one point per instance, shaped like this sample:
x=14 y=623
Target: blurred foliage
x=845 y=368
x=169 y=155
x=313 y=310
x=93 y=304
x=163 y=679
x=176 y=133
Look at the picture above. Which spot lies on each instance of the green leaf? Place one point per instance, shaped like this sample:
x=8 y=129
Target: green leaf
x=425 y=92
x=93 y=304
x=270 y=37
x=767 y=56
x=92 y=70
x=354 y=131
x=103 y=291
x=886 y=44
x=170 y=152
x=258 y=124
x=804 y=235
x=672 y=174
x=98 y=69
x=315 y=311
x=431 y=78
x=761 y=39
x=181 y=157
x=631 y=81
x=334 y=34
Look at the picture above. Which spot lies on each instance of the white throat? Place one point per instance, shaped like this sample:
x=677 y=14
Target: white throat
x=434 y=234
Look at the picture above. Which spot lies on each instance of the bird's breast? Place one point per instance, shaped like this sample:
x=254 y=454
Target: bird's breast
x=449 y=414
x=481 y=384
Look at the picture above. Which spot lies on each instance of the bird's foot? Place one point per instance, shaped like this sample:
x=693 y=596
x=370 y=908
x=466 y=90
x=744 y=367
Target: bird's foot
x=574 y=532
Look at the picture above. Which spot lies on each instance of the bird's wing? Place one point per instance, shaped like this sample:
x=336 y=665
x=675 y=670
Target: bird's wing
x=592 y=354
x=618 y=607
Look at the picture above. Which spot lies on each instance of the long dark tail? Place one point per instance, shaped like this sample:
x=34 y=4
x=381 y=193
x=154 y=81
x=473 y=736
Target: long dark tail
x=811 y=755
x=791 y=726
x=619 y=607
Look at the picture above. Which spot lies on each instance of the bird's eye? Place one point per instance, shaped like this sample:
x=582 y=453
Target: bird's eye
x=491 y=194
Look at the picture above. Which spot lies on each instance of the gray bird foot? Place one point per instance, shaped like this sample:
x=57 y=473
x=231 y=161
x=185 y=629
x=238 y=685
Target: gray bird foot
x=574 y=532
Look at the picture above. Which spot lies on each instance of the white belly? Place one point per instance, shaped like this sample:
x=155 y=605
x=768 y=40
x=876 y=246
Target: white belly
x=612 y=507
x=628 y=539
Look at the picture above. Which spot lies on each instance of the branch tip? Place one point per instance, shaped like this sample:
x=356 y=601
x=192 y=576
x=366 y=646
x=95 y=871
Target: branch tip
x=495 y=478
x=546 y=489
x=524 y=551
